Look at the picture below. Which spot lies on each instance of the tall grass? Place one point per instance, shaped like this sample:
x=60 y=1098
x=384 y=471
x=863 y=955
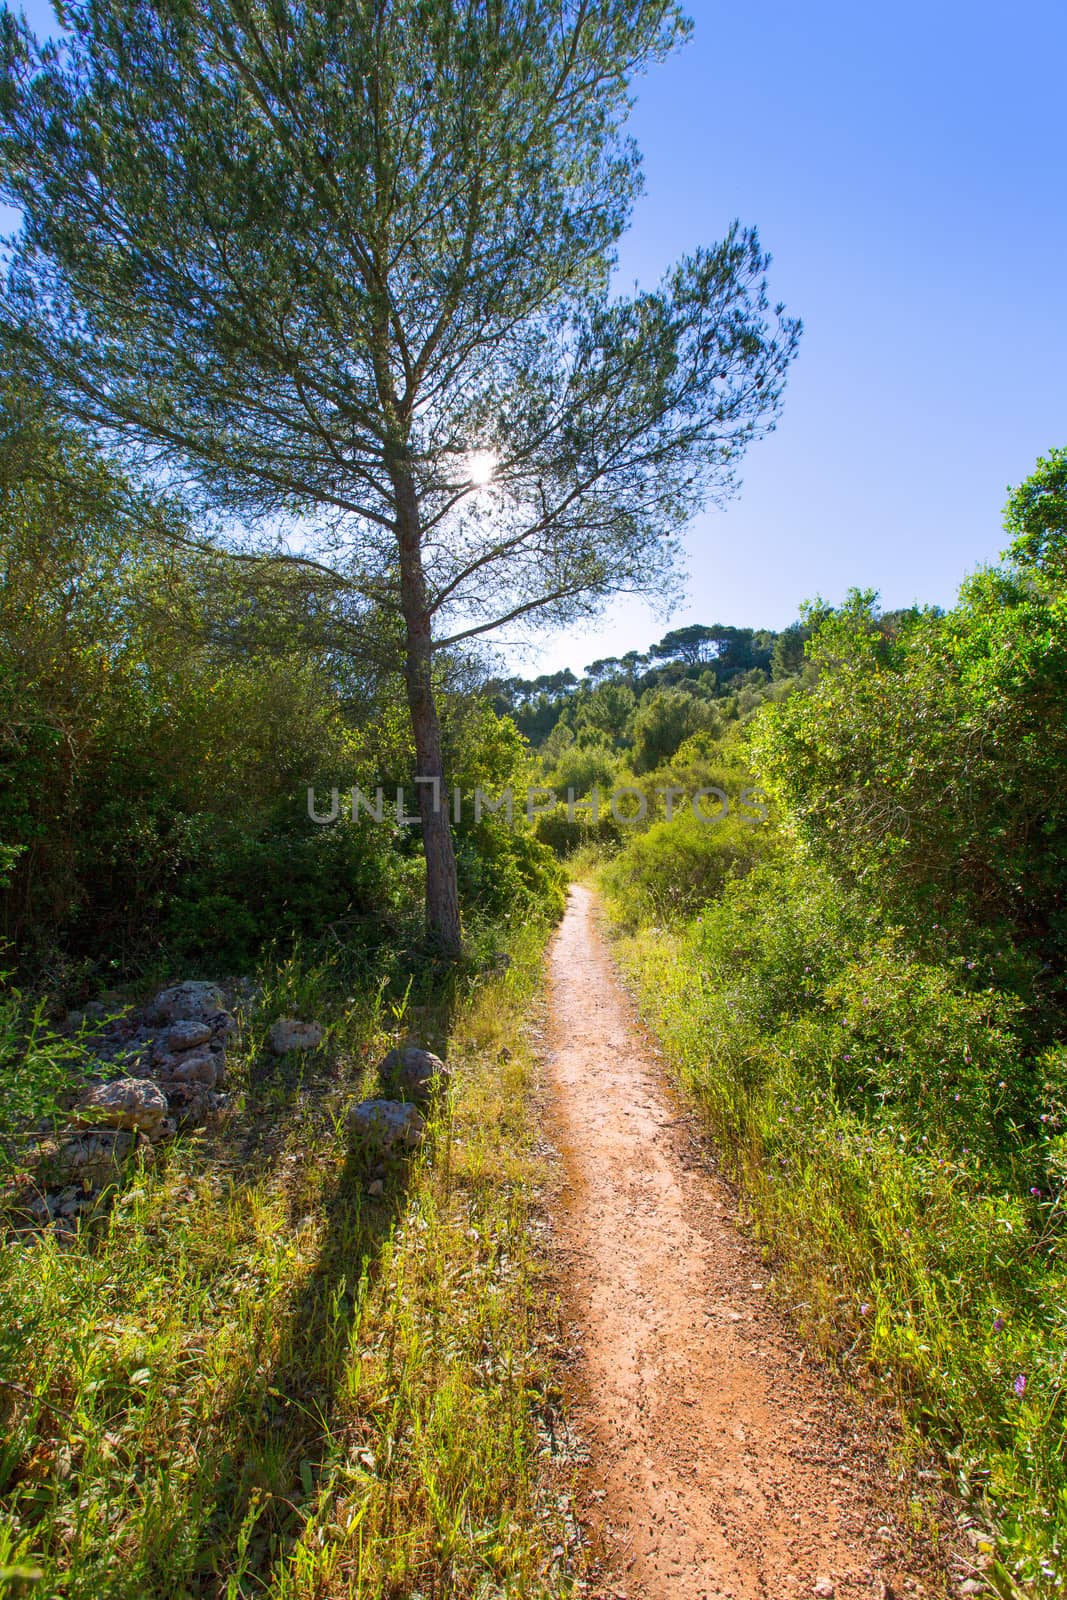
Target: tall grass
x=248 y=1375
x=913 y=1260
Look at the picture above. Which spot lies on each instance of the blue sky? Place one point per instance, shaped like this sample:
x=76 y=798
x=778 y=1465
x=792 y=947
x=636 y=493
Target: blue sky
x=907 y=168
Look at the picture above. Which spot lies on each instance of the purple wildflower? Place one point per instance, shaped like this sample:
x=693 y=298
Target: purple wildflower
x=1020 y=1385
x=998 y=1324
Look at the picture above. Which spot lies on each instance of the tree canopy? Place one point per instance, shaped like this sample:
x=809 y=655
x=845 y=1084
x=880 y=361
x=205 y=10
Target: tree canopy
x=352 y=265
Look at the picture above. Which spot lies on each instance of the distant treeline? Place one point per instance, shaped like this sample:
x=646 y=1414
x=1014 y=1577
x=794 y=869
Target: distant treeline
x=695 y=679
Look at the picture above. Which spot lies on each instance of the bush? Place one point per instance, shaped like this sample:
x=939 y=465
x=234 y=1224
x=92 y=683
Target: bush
x=903 y=1157
x=508 y=874
x=39 y=1070
x=582 y=767
x=927 y=762
x=564 y=834
x=242 y=890
x=664 y=720
x=676 y=867
x=162 y=712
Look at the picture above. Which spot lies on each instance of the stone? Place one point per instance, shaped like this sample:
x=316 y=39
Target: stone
x=194 y=1104
x=197 y=1068
x=413 y=1073
x=824 y=1588
x=187 y=1035
x=218 y=1056
x=376 y=1188
x=288 y=1034
x=186 y=1002
x=133 y=1104
x=93 y=1158
x=387 y=1123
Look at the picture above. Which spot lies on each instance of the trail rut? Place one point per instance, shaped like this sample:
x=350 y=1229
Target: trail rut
x=723 y=1465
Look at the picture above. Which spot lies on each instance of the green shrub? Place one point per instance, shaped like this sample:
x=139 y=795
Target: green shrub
x=926 y=764
x=582 y=767
x=676 y=867
x=902 y=1153
x=564 y=833
x=242 y=890
x=39 y=1071
x=508 y=874
x=664 y=720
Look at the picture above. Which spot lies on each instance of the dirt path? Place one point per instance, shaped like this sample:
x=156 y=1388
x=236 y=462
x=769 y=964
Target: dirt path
x=721 y=1464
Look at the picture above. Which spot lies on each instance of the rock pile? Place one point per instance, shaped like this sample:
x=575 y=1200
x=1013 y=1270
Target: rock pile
x=173 y=1054
x=133 y=1105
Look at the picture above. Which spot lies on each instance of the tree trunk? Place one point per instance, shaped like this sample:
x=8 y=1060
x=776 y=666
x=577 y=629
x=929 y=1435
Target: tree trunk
x=442 y=894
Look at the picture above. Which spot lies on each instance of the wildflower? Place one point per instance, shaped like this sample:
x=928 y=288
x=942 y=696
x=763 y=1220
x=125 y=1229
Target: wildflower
x=1020 y=1385
x=998 y=1324
x=1035 y=1191
x=865 y=1308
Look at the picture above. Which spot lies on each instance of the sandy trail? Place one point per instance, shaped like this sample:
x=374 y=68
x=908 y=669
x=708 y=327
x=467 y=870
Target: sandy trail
x=721 y=1464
